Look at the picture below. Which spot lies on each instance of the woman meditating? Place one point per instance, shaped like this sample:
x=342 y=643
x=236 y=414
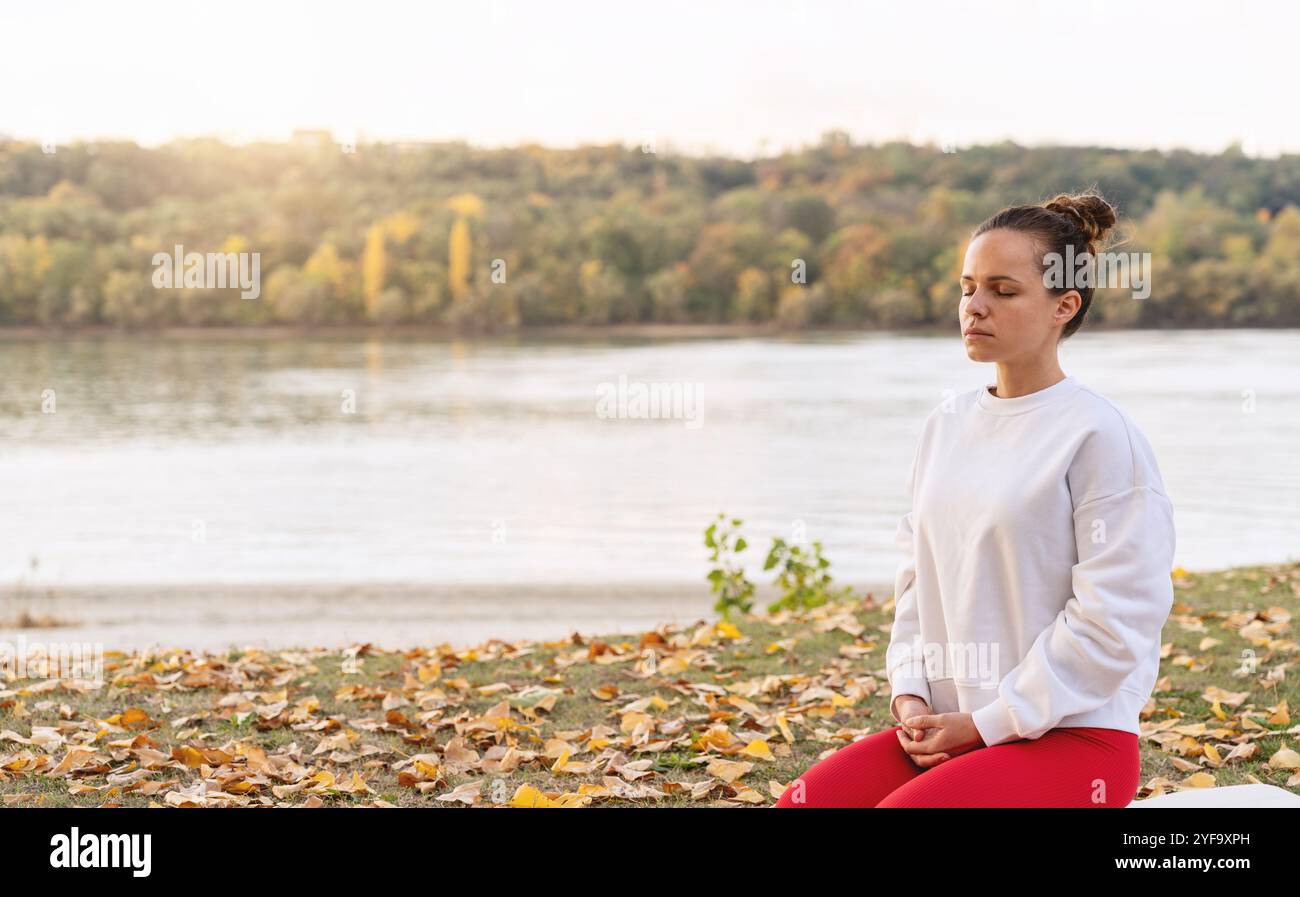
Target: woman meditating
x=1038 y=551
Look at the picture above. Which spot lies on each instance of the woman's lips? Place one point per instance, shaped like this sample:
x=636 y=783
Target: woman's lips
x=977 y=334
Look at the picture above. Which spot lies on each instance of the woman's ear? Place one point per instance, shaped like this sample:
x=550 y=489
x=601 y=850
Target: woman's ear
x=1067 y=304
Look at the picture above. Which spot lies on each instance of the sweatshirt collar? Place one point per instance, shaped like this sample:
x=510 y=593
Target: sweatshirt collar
x=997 y=405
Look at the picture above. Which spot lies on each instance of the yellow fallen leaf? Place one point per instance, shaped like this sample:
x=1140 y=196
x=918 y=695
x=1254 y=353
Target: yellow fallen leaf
x=748 y=795
x=727 y=630
x=1242 y=752
x=187 y=755
x=135 y=718
x=1284 y=759
x=356 y=786
x=728 y=770
x=528 y=797
x=717 y=736
x=632 y=720
x=758 y=748
x=677 y=663
x=571 y=799
x=74 y=759
x=468 y=793
x=1281 y=716
x=1231 y=698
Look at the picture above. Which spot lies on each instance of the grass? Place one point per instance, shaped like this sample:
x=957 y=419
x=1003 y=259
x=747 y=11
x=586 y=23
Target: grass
x=713 y=713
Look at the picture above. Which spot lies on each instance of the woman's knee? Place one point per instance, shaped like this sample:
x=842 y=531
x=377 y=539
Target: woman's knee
x=855 y=775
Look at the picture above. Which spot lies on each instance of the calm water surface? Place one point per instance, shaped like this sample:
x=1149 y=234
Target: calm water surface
x=225 y=461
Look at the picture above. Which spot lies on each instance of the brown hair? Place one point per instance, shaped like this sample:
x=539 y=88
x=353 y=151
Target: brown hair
x=1080 y=220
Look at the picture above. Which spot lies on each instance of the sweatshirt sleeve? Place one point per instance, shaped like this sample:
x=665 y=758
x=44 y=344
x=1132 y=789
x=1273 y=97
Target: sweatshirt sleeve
x=1122 y=595
x=904 y=658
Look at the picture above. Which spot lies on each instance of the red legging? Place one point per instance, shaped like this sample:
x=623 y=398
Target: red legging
x=1064 y=767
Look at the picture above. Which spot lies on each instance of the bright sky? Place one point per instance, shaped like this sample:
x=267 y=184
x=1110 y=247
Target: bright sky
x=733 y=77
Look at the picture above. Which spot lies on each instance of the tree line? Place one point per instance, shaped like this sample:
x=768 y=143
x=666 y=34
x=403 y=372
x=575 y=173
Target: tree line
x=447 y=233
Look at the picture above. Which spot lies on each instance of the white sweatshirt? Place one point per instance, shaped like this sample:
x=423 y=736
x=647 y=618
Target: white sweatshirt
x=1037 y=561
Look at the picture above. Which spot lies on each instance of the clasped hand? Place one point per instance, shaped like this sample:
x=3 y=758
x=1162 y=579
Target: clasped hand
x=931 y=738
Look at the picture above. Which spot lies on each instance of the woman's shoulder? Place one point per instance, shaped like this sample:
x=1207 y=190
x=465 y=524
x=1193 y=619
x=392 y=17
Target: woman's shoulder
x=1113 y=453
x=1098 y=414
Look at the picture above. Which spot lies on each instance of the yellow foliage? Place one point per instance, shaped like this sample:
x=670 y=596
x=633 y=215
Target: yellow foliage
x=459 y=251
x=325 y=265
x=374 y=263
x=466 y=205
x=401 y=226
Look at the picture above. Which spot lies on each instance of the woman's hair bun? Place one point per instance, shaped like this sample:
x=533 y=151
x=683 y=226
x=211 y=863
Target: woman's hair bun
x=1094 y=215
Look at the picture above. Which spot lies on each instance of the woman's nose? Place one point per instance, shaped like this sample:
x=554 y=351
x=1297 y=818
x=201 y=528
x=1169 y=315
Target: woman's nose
x=976 y=305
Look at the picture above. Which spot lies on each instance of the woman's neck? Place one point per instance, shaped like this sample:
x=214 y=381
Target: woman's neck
x=1022 y=379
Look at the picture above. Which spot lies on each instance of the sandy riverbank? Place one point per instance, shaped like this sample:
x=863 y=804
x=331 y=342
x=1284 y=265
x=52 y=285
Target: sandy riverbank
x=215 y=617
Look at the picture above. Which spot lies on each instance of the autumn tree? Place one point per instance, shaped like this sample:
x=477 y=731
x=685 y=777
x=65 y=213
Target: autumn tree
x=374 y=263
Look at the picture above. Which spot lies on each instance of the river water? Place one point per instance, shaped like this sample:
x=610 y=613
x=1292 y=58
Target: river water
x=318 y=461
